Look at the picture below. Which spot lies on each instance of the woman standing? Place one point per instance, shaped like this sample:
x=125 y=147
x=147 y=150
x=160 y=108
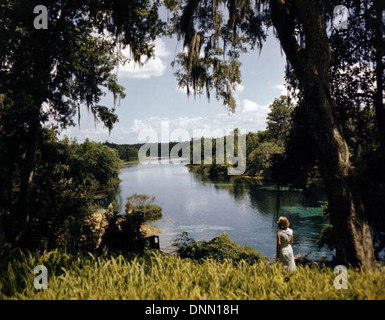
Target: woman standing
x=285 y=240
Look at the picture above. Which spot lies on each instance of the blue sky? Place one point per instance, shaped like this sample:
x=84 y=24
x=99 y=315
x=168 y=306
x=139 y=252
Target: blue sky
x=153 y=96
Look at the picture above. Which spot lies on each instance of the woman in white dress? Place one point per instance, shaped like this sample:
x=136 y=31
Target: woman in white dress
x=285 y=240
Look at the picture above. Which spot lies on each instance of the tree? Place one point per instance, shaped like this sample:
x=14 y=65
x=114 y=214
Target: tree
x=100 y=162
x=260 y=160
x=66 y=177
x=52 y=72
x=311 y=67
x=357 y=78
x=203 y=27
x=279 y=119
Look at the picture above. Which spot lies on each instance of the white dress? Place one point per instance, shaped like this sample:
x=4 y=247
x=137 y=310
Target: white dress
x=286 y=254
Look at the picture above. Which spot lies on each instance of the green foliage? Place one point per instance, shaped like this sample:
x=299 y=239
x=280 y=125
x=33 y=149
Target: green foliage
x=95 y=161
x=63 y=66
x=214 y=40
x=266 y=150
x=47 y=75
x=143 y=205
x=148 y=212
x=87 y=164
x=66 y=177
x=260 y=160
x=263 y=149
x=126 y=152
x=168 y=277
x=279 y=120
x=219 y=249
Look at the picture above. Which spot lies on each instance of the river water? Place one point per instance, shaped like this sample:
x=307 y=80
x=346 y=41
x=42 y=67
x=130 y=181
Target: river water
x=246 y=209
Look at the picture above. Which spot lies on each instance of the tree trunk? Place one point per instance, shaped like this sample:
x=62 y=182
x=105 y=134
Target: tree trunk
x=311 y=66
x=346 y=208
x=26 y=182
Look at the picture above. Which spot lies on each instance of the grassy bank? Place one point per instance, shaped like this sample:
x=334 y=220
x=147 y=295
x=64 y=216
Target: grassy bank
x=161 y=276
x=204 y=170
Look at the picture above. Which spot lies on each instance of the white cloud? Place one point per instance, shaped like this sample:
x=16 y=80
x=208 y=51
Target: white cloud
x=239 y=88
x=249 y=106
x=282 y=88
x=181 y=90
x=250 y=117
x=154 y=67
x=251 y=112
x=138 y=125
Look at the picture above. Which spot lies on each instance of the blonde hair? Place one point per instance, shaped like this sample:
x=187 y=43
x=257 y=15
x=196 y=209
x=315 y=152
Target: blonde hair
x=283 y=222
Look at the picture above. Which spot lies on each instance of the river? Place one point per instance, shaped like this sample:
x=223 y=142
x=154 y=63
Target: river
x=246 y=209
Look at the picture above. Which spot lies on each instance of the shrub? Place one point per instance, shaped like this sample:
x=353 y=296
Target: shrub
x=328 y=237
x=143 y=205
x=148 y=212
x=218 y=249
x=123 y=235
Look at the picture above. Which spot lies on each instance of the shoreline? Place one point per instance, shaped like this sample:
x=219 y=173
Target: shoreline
x=196 y=168
x=124 y=163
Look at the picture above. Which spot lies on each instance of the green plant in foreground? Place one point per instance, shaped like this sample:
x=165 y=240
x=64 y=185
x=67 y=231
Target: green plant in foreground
x=143 y=205
x=161 y=276
x=219 y=249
